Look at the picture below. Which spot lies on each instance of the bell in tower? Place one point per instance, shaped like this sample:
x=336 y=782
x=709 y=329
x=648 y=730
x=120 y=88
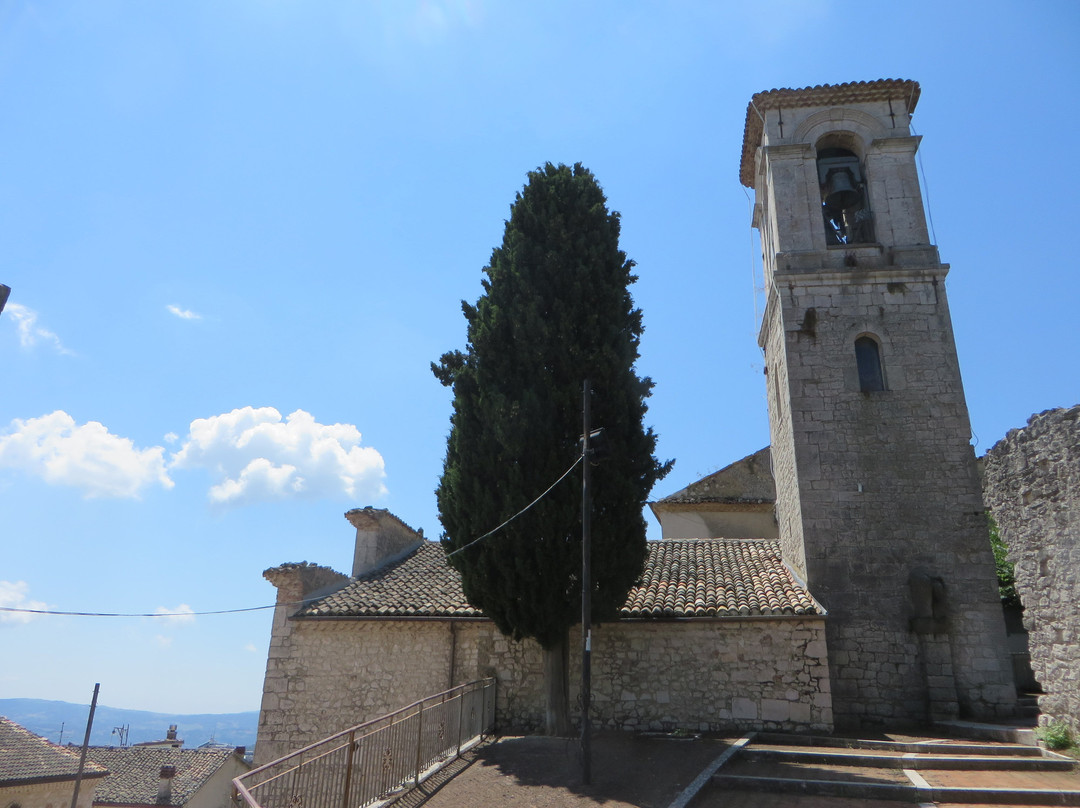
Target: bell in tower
x=843 y=198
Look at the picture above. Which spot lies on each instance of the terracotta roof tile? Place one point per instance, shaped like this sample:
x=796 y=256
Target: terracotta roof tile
x=682 y=578
x=420 y=585
x=716 y=578
x=25 y=756
x=135 y=772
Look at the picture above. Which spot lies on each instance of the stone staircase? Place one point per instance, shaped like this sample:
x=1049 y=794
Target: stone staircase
x=941 y=771
x=1027 y=706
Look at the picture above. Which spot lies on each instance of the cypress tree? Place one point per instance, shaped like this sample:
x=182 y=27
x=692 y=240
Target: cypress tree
x=555 y=310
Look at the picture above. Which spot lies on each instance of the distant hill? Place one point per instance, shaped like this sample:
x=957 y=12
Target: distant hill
x=45 y=718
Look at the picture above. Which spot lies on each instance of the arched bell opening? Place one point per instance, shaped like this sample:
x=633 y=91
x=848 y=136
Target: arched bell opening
x=845 y=204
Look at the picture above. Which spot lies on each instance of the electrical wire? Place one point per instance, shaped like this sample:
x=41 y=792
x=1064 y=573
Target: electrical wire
x=516 y=515
x=14 y=610
x=145 y=614
x=926 y=191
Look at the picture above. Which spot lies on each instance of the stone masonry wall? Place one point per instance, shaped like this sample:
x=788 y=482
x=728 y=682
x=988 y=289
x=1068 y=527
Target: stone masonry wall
x=323 y=676
x=327 y=675
x=1032 y=487
x=888 y=491
x=711 y=675
x=785 y=473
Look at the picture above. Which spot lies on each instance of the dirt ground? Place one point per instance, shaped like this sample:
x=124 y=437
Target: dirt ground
x=628 y=771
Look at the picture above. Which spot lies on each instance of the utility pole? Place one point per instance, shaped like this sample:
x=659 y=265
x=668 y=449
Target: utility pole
x=586 y=592
x=85 y=743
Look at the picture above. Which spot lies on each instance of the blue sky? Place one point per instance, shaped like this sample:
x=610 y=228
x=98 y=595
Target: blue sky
x=237 y=233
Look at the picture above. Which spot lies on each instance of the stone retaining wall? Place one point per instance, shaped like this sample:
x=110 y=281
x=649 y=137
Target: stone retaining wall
x=1032 y=487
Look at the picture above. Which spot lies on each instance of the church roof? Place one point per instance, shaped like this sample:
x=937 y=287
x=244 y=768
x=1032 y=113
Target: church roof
x=823 y=95
x=28 y=758
x=717 y=578
x=420 y=585
x=745 y=482
x=135 y=772
x=683 y=578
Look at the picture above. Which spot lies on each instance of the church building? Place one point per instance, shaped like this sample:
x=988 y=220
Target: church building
x=841 y=577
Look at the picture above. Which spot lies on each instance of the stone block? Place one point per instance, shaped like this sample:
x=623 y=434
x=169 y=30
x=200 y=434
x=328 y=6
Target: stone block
x=816 y=649
x=743 y=709
x=775 y=710
x=800 y=714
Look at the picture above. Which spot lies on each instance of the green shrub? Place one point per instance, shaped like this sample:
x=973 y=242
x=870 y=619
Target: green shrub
x=1006 y=570
x=1056 y=735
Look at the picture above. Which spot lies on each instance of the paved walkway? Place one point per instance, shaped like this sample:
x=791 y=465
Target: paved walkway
x=633 y=771
x=628 y=771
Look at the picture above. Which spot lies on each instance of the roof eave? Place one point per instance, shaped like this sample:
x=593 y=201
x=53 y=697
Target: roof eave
x=722 y=618
x=409 y=617
x=56 y=778
x=635 y=619
x=720 y=504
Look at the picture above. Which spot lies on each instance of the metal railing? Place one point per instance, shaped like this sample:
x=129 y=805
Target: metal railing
x=367 y=763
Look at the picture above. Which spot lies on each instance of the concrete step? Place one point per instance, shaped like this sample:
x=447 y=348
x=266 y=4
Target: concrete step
x=1002 y=733
x=970 y=762
x=920 y=747
x=899 y=792
x=920 y=770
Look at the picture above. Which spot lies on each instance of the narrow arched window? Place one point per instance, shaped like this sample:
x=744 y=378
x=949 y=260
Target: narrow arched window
x=868 y=358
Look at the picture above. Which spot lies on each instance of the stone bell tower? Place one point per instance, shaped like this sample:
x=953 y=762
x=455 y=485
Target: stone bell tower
x=878 y=501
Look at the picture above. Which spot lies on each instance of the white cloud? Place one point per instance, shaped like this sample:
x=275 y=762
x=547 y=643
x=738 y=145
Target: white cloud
x=171 y=437
x=184 y=314
x=181 y=615
x=87 y=456
x=250 y=648
x=258 y=457
x=163 y=641
x=30 y=333
x=13 y=596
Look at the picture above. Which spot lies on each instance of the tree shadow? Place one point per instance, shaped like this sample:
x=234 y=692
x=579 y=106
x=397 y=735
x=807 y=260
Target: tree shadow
x=627 y=768
x=421 y=794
